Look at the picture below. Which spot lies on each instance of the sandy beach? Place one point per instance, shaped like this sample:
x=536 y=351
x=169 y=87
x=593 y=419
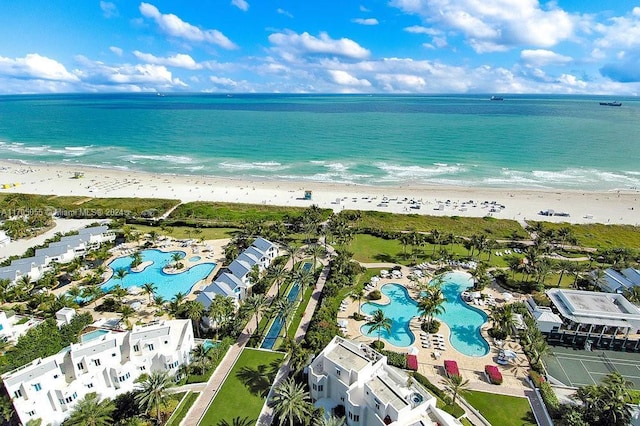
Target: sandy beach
x=615 y=207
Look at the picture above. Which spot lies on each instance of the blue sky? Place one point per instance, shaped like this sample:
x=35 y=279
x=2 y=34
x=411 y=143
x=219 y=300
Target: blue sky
x=328 y=46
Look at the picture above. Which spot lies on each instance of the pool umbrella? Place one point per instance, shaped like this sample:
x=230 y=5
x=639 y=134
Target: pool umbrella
x=413 y=350
x=507 y=296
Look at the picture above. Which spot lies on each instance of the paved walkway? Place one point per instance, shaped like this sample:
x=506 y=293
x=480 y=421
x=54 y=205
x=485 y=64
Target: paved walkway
x=199 y=408
x=266 y=415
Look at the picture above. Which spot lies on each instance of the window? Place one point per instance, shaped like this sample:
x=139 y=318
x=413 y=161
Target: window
x=31 y=413
x=89 y=385
x=143 y=367
x=166 y=342
x=150 y=346
x=80 y=366
x=338 y=371
x=113 y=354
x=136 y=348
x=342 y=398
x=18 y=393
x=37 y=386
x=320 y=388
x=55 y=376
x=354 y=417
x=124 y=377
x=315 y=387
x=96 y=362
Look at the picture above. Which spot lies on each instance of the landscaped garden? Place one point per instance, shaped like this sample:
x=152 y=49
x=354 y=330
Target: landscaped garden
x=501 y=410
x=243 y=393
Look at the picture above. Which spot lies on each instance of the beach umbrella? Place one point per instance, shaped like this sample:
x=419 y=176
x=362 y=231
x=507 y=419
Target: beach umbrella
x=413 y=350
x=507 y=296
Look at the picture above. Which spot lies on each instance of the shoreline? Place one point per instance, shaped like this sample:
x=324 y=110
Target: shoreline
x=607 y=207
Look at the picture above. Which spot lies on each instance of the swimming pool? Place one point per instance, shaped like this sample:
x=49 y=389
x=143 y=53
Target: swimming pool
x=93 y=335
x=194 y=258
x=168 y=284
x=463 y=320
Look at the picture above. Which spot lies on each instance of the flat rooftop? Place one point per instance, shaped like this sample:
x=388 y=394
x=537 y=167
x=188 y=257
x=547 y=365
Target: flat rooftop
x=589 y=307
x=348 y=358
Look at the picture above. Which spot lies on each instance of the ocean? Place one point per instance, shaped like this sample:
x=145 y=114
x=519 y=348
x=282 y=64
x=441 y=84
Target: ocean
x=524 y=141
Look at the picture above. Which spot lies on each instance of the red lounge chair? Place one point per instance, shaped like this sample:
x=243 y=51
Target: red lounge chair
x=412 y=362
x=451 y=368
x=493 y=374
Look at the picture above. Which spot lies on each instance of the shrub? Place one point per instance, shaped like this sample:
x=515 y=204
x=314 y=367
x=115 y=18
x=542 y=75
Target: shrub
x=498 y=333
x=455 y=410
x=358 y=316
x=430 y=327
x=536 y=378
x=375 y=295
x=395 y=359
x=378 y=345
x=550 y=399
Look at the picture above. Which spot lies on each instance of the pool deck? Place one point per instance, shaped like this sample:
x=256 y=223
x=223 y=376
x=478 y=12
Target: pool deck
x=472 y=368
x=149 y=312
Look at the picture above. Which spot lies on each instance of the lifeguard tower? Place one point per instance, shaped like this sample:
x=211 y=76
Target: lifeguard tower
x=307 y=195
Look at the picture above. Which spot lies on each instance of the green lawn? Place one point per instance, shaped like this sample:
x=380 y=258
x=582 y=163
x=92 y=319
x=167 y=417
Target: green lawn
x=182 y=409
x=501 y=409
x=244 y=391
x=184 y=232
x=601 y=236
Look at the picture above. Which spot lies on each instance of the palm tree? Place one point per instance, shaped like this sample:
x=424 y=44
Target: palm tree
x=220 y=310
x=175 y=306
x=563 y=266
x=136 y=259
x=454 y=384
x=237 y=421
x=597 y=278
x=194 y=310
x=149 y=289
x=153 y=392
x=254 y=304
x=358 y=296
x=119 y=274
x=632 y=294
x=291 y=402
x=378 y=323
x=329 y=421
x=176 y=258
x=431 y=303
x=90 y=411
x=126 y=312
x=316 y=251
x=283 y=308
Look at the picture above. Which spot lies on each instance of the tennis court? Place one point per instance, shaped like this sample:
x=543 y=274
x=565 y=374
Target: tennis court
x=579 y=367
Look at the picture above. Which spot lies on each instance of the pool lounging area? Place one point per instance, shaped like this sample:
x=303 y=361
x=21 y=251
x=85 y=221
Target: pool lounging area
x=464 y=321
x=167 y=284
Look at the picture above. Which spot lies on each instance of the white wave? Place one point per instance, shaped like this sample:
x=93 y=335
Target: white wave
x=195 y=168
x=176 y=159
x=21 y=148
x=258 y=165
x=403 y=173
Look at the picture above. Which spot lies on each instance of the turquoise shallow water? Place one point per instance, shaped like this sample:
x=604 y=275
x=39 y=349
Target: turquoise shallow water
x=167 y=284
x=463 y=320
x=523 y=141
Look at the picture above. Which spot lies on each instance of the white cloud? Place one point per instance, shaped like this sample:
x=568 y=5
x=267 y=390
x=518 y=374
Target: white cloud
x=35 y=66
x=418 y=29
x=622 y=32
x=109 y=10
x=367 y=21
x=116 y=50
x=240 y=4
x=292 y=44
x=542 y=57
x=343 y=78
x=281 y=11
x=223 y=81
x=172 y=25
x=179 y=60
x=496 y=25
x=96 y=73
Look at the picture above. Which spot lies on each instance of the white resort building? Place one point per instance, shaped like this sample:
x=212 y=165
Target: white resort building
x=353 y=375
x=604 y=320
x=234 y=281
x=63 y=251
x=107 y=362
